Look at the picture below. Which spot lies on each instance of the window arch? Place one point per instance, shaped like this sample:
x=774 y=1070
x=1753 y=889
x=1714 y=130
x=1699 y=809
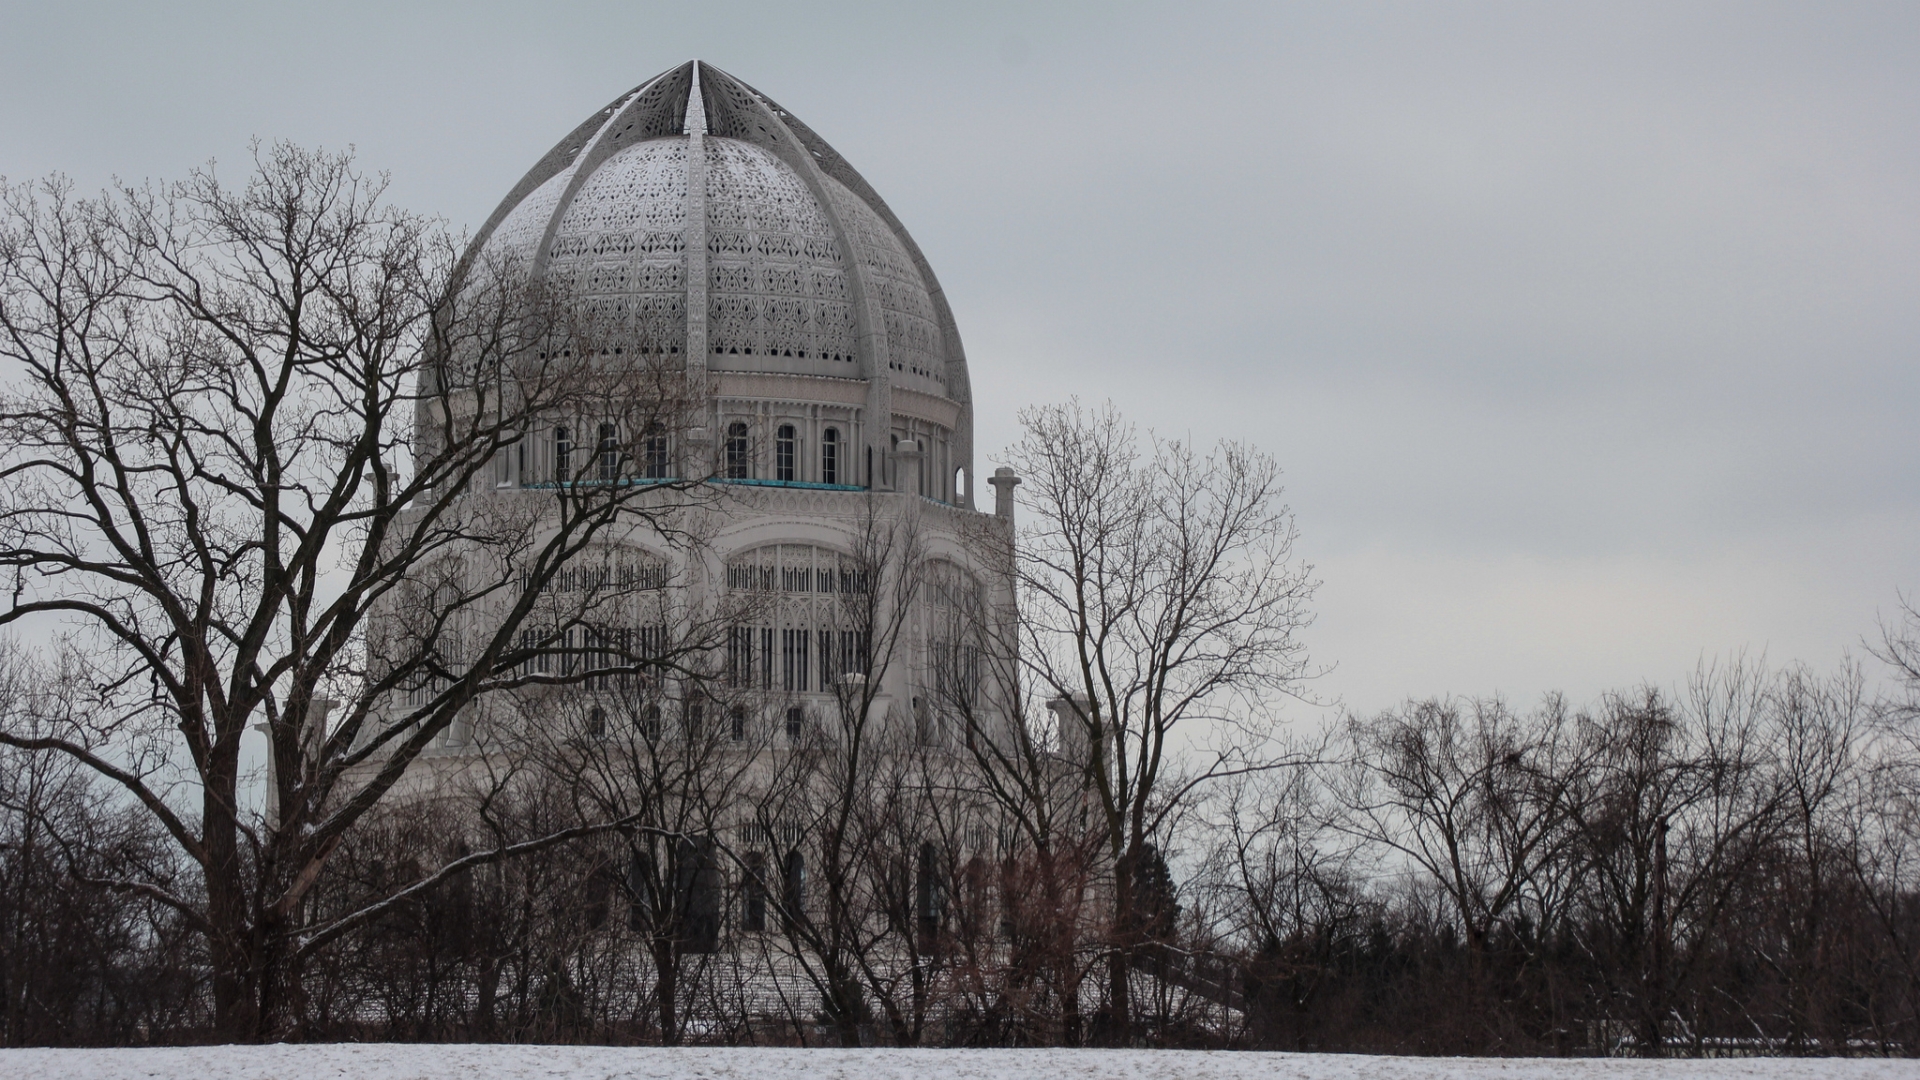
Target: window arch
x=604 y=614
x=798 y=629
x=955 y=608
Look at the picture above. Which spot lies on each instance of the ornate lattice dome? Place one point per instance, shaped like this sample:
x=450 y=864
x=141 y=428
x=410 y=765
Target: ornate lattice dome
x=717 y=224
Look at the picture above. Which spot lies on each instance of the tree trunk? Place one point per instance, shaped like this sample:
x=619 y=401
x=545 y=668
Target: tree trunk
x=666 y=987
x=1119 y=988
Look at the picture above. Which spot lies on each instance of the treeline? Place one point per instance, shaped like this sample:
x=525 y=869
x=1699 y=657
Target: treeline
x=1040 y=796
x=1726 y=869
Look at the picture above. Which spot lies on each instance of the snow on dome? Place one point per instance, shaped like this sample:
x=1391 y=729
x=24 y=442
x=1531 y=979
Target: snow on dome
x=696 y=183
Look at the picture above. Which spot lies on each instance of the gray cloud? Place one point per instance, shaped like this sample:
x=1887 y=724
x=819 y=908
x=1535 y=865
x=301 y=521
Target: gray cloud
x=1587 y=335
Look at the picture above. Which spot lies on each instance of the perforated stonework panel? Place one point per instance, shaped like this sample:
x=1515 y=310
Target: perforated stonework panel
x=913 y=334
x=776 y=285
x=620 y=246
x=520 y=231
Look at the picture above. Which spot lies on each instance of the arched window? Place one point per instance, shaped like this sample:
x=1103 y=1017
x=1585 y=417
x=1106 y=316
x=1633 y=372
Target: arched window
x=658 y=467
x=830 y=456
x=562 y=455
x=955 y=611
x=753 y=912
x=783 y=447
x=739 y=466
x=503 y=467
x=696 y=888
x=798 y=630
x=793 y=884
x=609 y=453
x=930 y=897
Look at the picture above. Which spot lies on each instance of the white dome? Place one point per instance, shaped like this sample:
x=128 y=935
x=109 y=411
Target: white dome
x=806 y=270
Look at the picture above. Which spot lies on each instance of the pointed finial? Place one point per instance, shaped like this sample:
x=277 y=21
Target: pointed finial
x=696 y=108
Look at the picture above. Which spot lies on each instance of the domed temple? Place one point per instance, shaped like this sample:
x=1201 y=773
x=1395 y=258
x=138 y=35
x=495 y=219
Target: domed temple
x=735 y=237
x=781 y=636
x=712 y=236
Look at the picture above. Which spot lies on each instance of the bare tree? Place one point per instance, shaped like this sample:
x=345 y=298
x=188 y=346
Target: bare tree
x=1033 y=784
x=1285 y=883
x=251 y=445
x=80 y=961
x=1479 y=799
x=1677 y=813
x=673 y=759
x=1159 y=595
x=837 y=787
x=1817 y=727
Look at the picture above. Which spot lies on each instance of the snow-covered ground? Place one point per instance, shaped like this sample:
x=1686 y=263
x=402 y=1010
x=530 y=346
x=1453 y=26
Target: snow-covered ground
x=415 y=1062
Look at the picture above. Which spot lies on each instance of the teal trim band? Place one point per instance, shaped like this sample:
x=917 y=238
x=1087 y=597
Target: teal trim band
x=806 y=484
x=632 y=481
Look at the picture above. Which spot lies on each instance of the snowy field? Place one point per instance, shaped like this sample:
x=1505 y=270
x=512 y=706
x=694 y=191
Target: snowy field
x=415 y=1062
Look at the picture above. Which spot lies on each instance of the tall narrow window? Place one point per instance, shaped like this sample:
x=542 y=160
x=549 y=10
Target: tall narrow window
x=753 y=912
x=609 y=453
x=640 y=885
x=783 y=443
x=793 y=886
x=793 y=656
x=830 y=456
x=738 y=465
x=740 y=656
x=930 y=897
x=656 y=454
x=696 y=888
x=562 y=455
x=503 y=467
x=796 y=723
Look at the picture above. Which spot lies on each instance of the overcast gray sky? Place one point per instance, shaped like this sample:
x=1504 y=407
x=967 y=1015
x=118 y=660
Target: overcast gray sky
x=1586 y=334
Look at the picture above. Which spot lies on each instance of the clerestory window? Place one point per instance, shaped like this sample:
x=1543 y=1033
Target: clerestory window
x=739 y=466
x=830 y=456
x=783 y=452
x=609 y=453
x=655 y=449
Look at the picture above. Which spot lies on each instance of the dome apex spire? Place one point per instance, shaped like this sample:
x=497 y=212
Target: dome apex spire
x=696 y=108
